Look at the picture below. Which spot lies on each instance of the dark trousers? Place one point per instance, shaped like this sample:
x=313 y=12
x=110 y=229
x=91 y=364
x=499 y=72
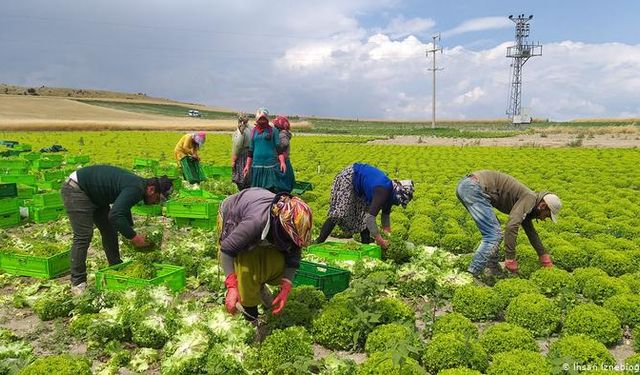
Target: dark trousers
x=83 y=214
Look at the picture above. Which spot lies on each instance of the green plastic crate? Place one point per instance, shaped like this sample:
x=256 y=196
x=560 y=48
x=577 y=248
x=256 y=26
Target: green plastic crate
x=14 y=171
x=49 y=185
x=174 y=277
x=191 y=170
x=9 y=219
x=41 y=267
x=24 y=179
x=139 y=163
x=192 y=210
x=217 y=171
x=14 y=163
x=54 y=175
x=45 y=214
x=339 y=251
x=147 y=209
x=53 y=199
x=31 y=155
x=9 y=190
x=197 y=223
x=54 y=157
x=301 y=187
x=46 y=163
x=8 y=205
x=25 y=192
x=330 y=280
x=78 y=159
x=185 y=193
x=22 y=147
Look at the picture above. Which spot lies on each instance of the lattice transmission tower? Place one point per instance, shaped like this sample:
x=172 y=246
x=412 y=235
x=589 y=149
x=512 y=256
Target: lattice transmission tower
x=520 y=53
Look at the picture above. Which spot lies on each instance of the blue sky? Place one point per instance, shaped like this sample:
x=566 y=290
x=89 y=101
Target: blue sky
x=358 y=58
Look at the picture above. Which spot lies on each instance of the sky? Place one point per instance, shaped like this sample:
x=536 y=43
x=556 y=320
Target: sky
x=332 y=58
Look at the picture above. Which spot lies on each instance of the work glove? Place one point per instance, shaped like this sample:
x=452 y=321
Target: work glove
x=281 y=298
x=233 y=295
x=382 y=242
x=386 y=229
x=545 y=261
x=140 y=242
x=283 y=165
x=247 y=166
x=511 y=265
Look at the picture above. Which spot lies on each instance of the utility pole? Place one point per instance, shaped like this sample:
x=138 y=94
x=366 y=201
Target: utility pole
x=434 y=49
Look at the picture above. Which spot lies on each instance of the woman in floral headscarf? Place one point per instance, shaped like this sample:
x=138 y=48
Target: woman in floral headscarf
x=359 y=193
x=288 y=179
x=264 y=161
x=240 y=151
x=261 y=236
x=189 y=145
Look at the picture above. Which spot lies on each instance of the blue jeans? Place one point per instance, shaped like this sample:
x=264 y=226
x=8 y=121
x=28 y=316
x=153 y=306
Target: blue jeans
x=477 y=202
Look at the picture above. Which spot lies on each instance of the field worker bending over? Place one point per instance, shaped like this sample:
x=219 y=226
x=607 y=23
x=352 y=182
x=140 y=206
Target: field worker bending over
x=358 y=194
x=288 y=179
x=239 y=153
x=479 y=192
x=261 y=236
x=265 y=163
x=189 y=145
x=87 y=194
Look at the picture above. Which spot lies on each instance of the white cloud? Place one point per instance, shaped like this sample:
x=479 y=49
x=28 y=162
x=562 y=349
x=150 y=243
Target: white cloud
x=401 y=27
x=479 y=24
x=470 y=97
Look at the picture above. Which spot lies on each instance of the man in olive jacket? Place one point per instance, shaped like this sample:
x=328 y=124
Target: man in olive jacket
x=103 y=195
x=480 y=192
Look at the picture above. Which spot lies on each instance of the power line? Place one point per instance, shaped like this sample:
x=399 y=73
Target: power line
x=433 y=50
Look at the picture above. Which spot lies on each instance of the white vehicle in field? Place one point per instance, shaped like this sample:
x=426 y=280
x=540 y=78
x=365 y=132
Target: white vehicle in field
x=194 y=113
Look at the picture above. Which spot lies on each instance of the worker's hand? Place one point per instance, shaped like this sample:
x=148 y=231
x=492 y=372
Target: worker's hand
x=511 y=265
x=234 y=158
x=545 y=261
x=283 y=165
x=140 y=242
x=233 y=295
x=247 y=166
x=382 y=242
x=196 y=157
x=281 y=298
x=386 y=229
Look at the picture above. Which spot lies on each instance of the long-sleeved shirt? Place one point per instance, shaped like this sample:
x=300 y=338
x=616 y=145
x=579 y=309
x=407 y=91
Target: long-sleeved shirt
x=185 y=147
x=376 y=188
x=105 y=185
x=240 y=142
x=511 y=197
x=246 y=224
x=285 y=141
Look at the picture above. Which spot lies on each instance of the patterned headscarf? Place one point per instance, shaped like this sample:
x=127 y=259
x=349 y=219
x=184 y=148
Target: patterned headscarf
x=282 y=123
x=262 y=112
x=199 y=138
x=402 y=192
x=295 y=218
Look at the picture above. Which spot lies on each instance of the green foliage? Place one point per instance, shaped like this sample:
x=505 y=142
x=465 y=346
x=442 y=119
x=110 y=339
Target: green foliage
x=334 y=364
x=582 y=275
x=389 y=336
x=137 y=269
x=552 y=280
x=534 y=312
x=626 y=307
x=632 y=280
x=577 y=350
x=519 y=362
x=64 y=364
x=459 y=371
x=508 y=289
x=283 y=347
x=459 y=243
x=55 y=303
x=613 y=262
x=150 y=330
x=599 y=288
x=527 y=259
x=504 y=337
x=186 y=353
x=294 y=314
x=594 y=321
x=398 y=251
x=455 y=323
x=450 y=350
x=477 y=303
x=335 y=326
x=636 y=338
x=96 y=329
x=570 y=257
x=385 y=363
x=308 y=295
x=393 y=310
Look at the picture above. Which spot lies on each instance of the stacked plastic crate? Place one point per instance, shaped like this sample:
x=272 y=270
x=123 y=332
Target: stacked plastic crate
x=194 y=208
x=9 y=205
x=46 y=207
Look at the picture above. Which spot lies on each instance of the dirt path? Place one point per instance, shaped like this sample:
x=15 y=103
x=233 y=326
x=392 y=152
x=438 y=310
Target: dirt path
x=528 y=140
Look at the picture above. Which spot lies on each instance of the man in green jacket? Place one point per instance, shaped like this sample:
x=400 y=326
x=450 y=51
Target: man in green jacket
x=103 y=195
x=480 y=192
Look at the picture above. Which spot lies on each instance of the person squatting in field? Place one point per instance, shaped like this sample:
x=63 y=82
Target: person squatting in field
x=239 y=153
x=480 y=192
x=359 y=193
x=87 y=194
x=261 y=236
x=264 y=161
